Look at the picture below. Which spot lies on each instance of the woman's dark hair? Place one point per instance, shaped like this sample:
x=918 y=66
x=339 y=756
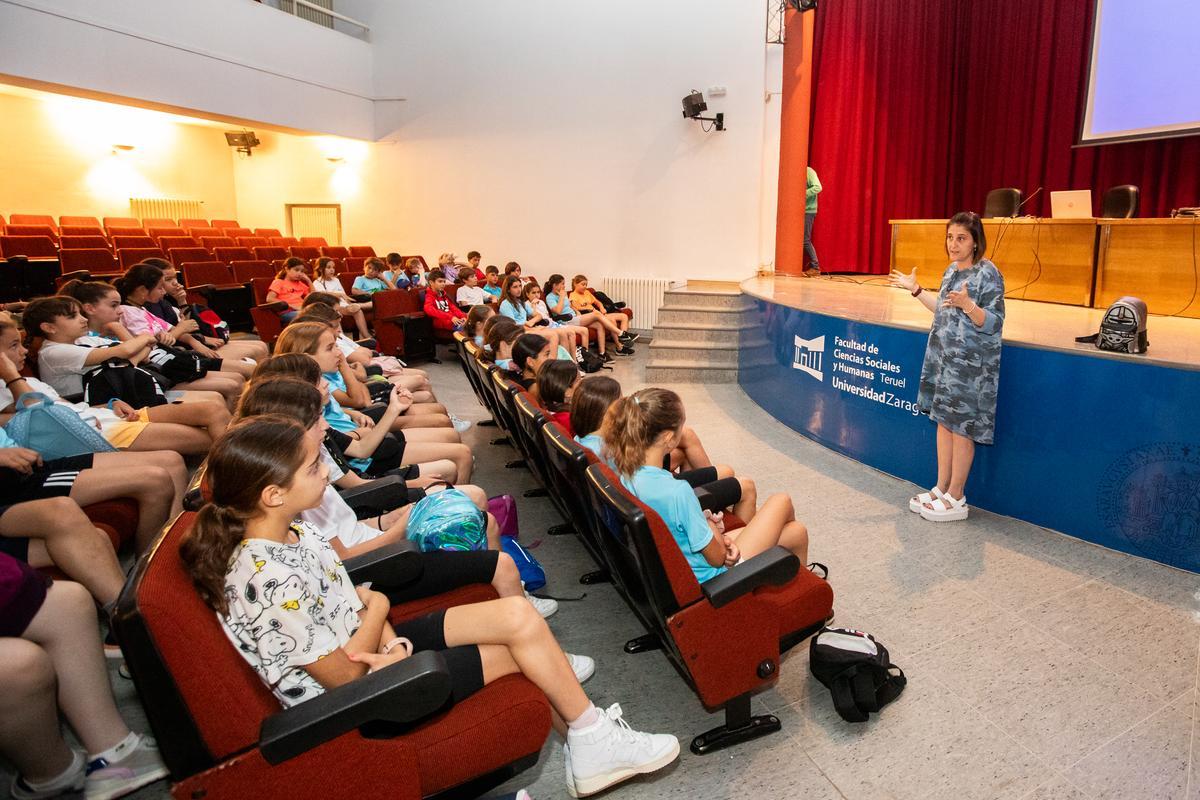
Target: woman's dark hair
x=319 y=267
x=318 y=312
x=161 y=263
x=590 y=401
x=252 y=455
x=86 y=292
x=294 y=365
x=974 y=225
x=554 y=379
x=530 y=288
x=478 y=315
x=291 y=263
x=548 y=286
x=320 y=297
x=511 y=267
x=290 y=397
x=45 y=310
x=633 y=423
x=526 y=347
x=497 y=329
x=505 y=291
x=395 y=259
x=145 y=276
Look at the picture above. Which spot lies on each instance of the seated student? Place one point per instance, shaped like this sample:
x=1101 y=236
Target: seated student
x=556 y=303
x=476 y=317
x=529 y=352
x=473 y=261
x=469 y=291
x=510 y=269
x=445 y=315
x=325 y=279
x=717 y=485
x=358 y=452
x=372 y=281
x=491 y=284
x=412 y=269
x=186 y=428
x=319 y=341
x=513 y=307
x=359 y=357
x=394 y=271
x=265 y=474
x=501 y=334
x=169 y=308
x=51 y=663
x=639 y=431
x=291 y=286
x=448 y=264
x=535 y=307
x=556 y=381
x=584 y=302
x=143 y=283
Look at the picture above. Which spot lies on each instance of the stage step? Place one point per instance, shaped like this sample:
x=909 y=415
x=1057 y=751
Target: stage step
x=702 y=334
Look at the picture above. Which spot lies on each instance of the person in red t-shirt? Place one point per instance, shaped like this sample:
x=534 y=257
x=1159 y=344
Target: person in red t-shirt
x=445 y=314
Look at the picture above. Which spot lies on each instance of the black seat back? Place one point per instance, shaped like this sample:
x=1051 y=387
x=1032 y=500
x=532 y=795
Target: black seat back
x=1002 y=202
x=1120 y=202
x=568 y=461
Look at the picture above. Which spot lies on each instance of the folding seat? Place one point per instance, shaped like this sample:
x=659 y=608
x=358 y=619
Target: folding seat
x=401 y=327
x=362 y=251
x=267 y=233
x=247 y=271
x=122 y=242
x=44 y=220
x=314 y=241
x=725 y=635
x=308 y=253
x=284 y=241
x=122 y=222
x=195 y=223
x=235 y=233
x=96 y=261
x=253 y=241
x=270 y=253
x=230 y=254
x=179 y=256
x=335 y=252
x=225 y=223
x=157 y=233
x=80 y=230
x=128 y=256
x=568 y=462
x=28 y=246
x=80 y=222
x=267 y=323
x=113 y=233
x=169 y=243
x=213 y=242
x=347 y=281
x=200 y=233
x=531 y=420
x=159 y=222
x=75 y=242
x=220 y=730
x=222 y=292
x=29 y=229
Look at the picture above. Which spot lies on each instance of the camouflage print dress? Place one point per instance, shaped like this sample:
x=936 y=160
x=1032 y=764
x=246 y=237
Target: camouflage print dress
x=961 y=372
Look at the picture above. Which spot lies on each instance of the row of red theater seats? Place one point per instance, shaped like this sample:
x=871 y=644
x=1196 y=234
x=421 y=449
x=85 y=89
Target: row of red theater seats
x=109 y=223
x=131 y=250
x=157 y=237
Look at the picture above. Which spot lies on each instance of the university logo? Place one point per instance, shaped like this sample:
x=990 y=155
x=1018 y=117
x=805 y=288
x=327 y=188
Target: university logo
x=809 y=355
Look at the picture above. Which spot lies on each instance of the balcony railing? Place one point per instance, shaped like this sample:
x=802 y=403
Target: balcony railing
x=320 y=12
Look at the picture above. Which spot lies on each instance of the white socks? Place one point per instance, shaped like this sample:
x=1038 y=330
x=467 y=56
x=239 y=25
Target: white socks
x=585 y=720
x=118 y=751
x=66 y=780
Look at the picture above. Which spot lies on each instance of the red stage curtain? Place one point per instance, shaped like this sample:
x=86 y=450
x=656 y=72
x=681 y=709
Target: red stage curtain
x=921 y=108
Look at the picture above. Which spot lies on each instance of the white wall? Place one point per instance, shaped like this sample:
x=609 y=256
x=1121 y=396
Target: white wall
x=233 y=58
x=551 y=133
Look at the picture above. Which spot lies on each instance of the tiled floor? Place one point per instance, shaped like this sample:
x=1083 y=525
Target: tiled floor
x=1039 y=666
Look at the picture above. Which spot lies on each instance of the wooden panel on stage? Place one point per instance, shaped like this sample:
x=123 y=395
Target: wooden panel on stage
x=1050 y=260
x=1154 y=259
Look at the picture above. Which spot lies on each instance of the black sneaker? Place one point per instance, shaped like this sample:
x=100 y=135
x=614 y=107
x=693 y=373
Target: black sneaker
x=607 y=358
x=624 y=351
x=628 y=337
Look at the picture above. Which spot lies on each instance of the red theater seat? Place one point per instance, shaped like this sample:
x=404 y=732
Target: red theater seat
x=220 y=730
x=79 y=222
x=97 y=261
x=195 y=223
x=335 y=252
x=28 y=246
x=129 y=256
x=157 y=233
x=169 y=243
x=284 y=241
x=42 y=220
x=271 y=253
x=31 y=230
x=122 y=242
x=247 y=271
x=200 y=233
x=122 y=222
x=187 y=255
x=313 y=241
x=267 y=233
x=236 y=233
x=308 y=253
x=362 y=251
x=230 y=254
x=76 y=242
x=213 y=242
x=226 y=223
x=159 y=222
x=253 y=241
x=113 y=233
x=80 y=230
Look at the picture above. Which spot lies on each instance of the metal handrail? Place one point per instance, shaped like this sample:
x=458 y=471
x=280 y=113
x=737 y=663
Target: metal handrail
x=328 y=11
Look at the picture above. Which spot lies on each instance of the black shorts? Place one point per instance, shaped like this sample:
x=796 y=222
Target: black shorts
x=697 y=477
x=52 y=479
x=719 y=494
x=428 y=632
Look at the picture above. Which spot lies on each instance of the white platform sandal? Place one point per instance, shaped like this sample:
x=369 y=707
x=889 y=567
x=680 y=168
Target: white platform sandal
x=916 y=503
x=946 y=509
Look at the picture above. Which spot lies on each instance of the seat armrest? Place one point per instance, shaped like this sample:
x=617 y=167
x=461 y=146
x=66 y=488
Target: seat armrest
x=403 y=692
x=203 y=288
x=376 y=497
x=399 y=317
x=392 y=564
x=278 y=306
x=773 y=567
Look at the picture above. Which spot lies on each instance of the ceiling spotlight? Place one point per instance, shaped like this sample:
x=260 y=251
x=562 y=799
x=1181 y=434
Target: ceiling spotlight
x=803 y=5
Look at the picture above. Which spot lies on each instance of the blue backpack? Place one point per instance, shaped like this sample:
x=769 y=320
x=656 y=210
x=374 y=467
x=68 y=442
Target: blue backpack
x=532 y=573
x=53 y=430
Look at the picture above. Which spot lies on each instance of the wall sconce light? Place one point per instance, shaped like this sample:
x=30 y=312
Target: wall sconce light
x=335 y=159
x=121 y=149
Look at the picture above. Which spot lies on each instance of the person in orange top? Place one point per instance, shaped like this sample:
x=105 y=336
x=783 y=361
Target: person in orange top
x=291 y=286
x=446 y=315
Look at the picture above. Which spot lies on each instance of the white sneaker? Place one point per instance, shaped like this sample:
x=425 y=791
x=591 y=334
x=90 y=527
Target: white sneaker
x=582 y=666
x=140 y=765
x=460 y=425
x=609 y=752
x=545 y=606
x=70 y=781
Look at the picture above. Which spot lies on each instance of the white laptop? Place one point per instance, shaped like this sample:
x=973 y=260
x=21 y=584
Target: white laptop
x=1071 y=205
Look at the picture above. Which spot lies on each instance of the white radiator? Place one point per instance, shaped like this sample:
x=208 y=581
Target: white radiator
x=643 y=295
x=165 y=208
x=315 y=220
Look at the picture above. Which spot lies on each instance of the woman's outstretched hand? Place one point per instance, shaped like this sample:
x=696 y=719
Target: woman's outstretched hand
x=904 y=280
x=959 y=298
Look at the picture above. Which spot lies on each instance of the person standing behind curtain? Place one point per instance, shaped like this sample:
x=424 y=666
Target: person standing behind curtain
x=810 y=216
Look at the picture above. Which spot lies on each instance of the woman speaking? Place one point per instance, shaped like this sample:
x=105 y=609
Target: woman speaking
x=962 y=363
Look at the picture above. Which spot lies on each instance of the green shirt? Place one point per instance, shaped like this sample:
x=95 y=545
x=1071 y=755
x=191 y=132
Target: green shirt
x=811 y=192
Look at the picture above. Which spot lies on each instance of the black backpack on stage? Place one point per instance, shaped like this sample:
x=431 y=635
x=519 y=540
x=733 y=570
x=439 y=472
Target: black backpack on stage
x=857 y=670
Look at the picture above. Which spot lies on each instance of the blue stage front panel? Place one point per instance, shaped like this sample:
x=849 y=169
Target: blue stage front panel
x=1098 y=448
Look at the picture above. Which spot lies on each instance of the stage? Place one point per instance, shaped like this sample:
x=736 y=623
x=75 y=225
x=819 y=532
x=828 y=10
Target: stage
x=1101 y=446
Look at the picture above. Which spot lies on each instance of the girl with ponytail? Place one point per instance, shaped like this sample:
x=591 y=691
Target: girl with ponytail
x=638 y=432
x=291 y=611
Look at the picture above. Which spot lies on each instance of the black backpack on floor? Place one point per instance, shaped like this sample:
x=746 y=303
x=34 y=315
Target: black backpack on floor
x=857 y=670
